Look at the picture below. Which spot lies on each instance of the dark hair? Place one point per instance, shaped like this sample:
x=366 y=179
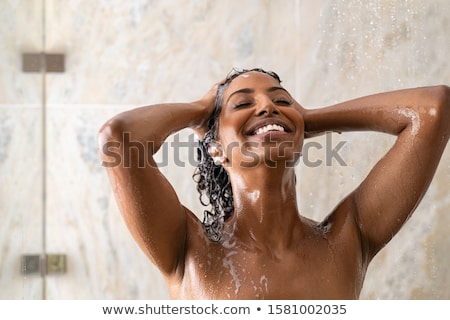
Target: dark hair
x=213 y=182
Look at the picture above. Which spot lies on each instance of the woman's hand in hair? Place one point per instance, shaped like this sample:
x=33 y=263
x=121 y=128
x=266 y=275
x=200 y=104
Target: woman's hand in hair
x=207 y=102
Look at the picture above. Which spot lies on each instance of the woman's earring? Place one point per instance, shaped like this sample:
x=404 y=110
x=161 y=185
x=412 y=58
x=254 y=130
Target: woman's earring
x=218 y=161
x=216 y=152
x=214 y=149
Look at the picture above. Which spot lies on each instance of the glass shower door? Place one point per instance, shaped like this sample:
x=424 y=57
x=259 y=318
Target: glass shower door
x=59 y=224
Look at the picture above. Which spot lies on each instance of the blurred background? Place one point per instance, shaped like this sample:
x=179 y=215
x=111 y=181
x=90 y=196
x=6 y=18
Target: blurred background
x=61 y=234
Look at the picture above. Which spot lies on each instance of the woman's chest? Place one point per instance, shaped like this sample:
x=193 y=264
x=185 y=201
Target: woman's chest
x=235 y=273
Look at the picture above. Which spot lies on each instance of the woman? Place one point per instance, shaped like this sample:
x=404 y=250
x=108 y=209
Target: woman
x=254 y=244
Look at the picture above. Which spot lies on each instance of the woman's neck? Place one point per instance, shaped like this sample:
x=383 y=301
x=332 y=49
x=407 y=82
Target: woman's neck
x=265 y=205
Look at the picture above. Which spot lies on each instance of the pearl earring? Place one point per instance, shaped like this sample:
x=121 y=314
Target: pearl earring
x=214 y=149
x=218 y=161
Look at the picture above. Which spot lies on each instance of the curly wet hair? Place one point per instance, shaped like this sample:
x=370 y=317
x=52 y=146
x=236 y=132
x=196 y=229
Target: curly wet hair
x=213 y=181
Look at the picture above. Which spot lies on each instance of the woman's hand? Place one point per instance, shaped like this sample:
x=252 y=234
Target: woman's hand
x=308 y=118
x=207 y=102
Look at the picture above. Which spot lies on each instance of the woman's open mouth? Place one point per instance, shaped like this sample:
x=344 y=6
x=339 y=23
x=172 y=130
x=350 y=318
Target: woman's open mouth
x=269 y=125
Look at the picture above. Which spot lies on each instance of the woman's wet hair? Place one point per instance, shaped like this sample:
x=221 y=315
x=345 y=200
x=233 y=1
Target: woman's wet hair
x=213 y=182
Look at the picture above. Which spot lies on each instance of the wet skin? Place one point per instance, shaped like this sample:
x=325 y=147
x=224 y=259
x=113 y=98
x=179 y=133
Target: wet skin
x=269 y=250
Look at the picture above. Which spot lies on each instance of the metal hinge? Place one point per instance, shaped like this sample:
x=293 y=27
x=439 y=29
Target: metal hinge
x=43 y=62
x=43 y=264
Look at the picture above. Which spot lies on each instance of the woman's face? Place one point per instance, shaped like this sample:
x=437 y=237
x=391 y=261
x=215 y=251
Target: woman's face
x=260 y=123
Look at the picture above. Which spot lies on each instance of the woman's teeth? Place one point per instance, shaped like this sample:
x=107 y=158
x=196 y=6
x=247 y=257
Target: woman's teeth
x=270 y=127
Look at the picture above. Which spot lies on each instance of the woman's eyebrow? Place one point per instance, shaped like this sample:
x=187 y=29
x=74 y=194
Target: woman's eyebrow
x=244 y=90
x=272 y=89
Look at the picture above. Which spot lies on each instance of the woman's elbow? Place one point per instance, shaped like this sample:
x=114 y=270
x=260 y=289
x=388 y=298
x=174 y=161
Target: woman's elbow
x=109 y=138
x=112 y=130
x=442 y=93
x=440 y=110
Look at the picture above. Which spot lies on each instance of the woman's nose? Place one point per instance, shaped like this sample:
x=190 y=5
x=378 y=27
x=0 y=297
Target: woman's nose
x=266 y=106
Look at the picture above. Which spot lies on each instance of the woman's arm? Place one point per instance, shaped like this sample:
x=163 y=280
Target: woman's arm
x=148 y=203
x=420 y=118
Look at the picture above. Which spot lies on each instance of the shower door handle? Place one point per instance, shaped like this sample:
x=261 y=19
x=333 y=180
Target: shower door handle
x=43 y=62
x=43 y=264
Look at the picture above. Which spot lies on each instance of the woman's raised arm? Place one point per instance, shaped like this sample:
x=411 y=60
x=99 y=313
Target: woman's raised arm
x=420 y=118
x=149 y=205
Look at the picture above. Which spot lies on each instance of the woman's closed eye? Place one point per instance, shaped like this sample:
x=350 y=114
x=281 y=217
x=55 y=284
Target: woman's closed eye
x=282 y=101
x=242 y=104
x=248 y=103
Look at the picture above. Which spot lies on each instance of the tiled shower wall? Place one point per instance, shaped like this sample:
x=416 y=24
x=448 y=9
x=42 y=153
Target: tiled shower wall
x=122 y=54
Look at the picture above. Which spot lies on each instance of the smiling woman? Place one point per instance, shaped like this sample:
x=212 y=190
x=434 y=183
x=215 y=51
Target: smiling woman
x=254 y=243
x=211 y=176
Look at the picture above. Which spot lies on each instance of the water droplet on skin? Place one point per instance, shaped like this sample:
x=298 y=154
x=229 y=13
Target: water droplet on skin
x=432 y=112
